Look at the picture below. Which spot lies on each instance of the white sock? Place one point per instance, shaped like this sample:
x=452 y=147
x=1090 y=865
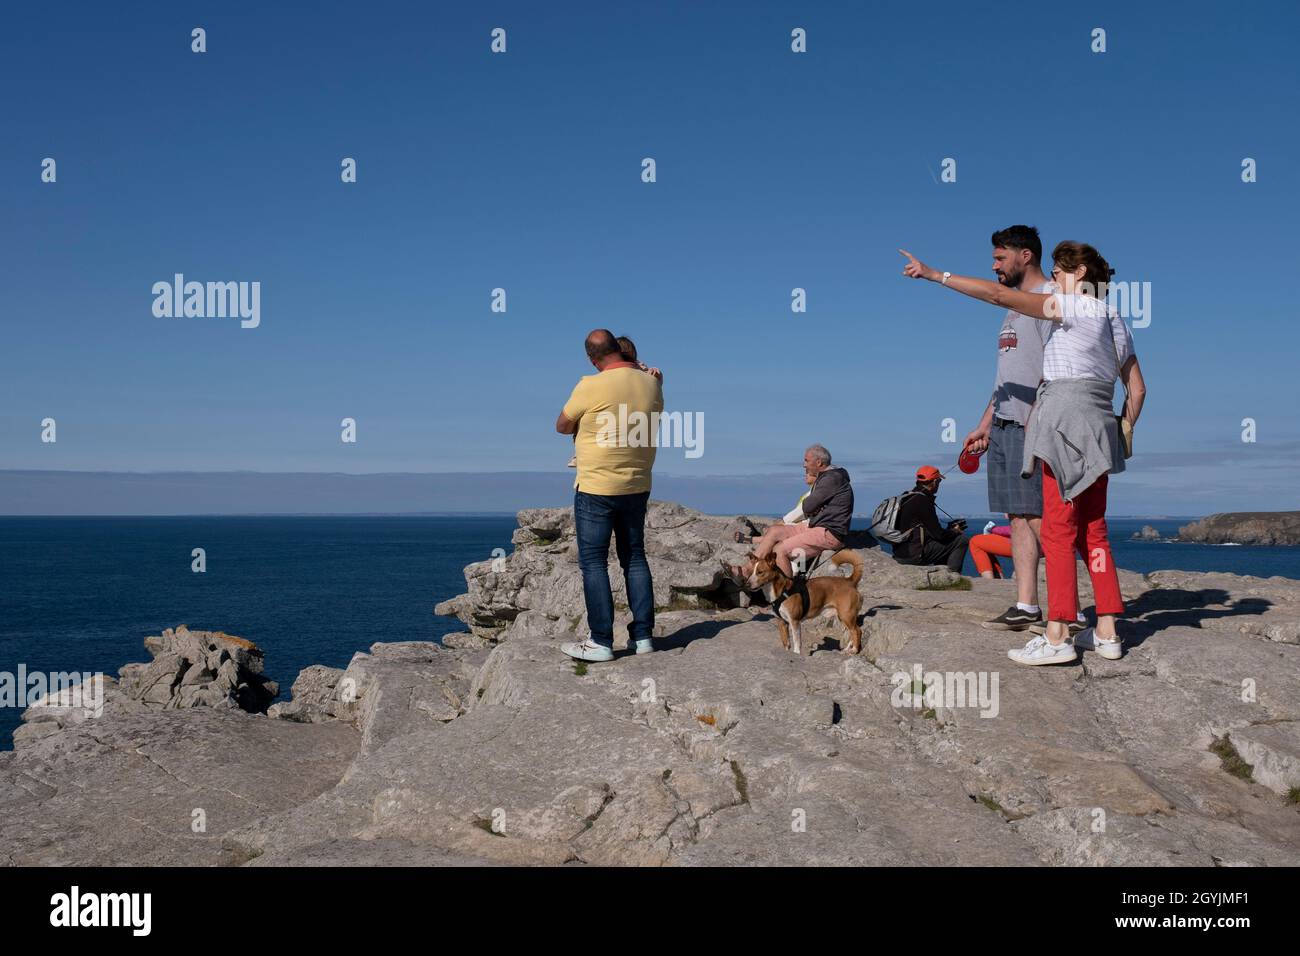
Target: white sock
x=1028 y=608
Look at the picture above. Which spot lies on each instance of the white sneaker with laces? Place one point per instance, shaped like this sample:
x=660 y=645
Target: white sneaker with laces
x=1111 y=650
x=641 y=646
x=1040 y=651
x=588 y=650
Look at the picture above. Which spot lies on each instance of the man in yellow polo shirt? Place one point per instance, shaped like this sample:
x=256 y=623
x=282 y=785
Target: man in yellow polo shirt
x=615 y=416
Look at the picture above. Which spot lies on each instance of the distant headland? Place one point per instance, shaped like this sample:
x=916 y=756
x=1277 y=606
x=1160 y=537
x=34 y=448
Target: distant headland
x=1245 y=527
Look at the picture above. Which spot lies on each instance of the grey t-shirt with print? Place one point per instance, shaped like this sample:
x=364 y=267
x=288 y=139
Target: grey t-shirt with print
x=1020 y=363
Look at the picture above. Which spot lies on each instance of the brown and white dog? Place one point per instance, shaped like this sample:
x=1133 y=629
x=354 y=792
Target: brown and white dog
x=830 y=595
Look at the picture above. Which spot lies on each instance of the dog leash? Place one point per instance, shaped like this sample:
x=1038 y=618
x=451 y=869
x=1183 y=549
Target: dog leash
x=944 y=474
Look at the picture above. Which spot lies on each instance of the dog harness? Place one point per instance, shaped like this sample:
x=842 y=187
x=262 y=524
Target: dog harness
x=799 y=586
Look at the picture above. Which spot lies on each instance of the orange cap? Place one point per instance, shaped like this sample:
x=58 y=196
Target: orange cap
x=928 y=473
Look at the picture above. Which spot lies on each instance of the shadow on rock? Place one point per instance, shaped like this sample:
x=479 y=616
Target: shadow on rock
x=701 y=631
x=876 y=609
x=1161 y=608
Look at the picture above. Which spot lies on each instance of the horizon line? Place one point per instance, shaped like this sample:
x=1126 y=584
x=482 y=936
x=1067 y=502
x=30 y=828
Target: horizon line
x=480 y=514
x=347 y=474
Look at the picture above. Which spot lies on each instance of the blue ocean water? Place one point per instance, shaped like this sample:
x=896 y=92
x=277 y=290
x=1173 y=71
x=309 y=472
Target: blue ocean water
x=1146 y=556
x=82 y=593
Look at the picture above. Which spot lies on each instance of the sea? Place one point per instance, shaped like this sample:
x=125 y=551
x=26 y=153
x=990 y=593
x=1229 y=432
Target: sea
x=81 y=593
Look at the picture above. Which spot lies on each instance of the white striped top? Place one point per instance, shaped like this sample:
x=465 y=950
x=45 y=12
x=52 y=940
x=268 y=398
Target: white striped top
x=1090 y=341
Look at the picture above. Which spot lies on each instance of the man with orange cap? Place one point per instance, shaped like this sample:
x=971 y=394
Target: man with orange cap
x=927 y=542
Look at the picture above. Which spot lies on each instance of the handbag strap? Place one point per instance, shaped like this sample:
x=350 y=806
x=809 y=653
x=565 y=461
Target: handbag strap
x=1119 y=366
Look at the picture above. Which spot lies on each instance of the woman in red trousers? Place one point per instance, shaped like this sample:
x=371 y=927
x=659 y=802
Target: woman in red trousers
x=1074 y=431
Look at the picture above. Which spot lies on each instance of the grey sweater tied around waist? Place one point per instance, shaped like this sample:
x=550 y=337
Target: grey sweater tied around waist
x=1073 y=429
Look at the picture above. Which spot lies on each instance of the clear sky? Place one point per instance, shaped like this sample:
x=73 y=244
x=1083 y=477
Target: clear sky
x=522 y=170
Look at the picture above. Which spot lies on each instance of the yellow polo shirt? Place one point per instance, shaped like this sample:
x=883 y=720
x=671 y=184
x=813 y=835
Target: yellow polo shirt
x=617 y=412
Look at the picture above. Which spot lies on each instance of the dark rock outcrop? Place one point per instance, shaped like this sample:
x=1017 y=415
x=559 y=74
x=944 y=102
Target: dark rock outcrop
x=199 y=669
x=189 y=669
x=1245 y=527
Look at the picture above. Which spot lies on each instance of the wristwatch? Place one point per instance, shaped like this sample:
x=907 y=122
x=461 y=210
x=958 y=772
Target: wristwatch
x=946 y=277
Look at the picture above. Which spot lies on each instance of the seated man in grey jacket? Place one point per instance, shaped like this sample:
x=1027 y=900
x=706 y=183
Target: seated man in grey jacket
x=827 y=509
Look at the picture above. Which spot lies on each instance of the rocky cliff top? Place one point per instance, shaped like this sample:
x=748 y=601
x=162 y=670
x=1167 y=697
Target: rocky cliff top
x=719 y=748
x=1245 y=527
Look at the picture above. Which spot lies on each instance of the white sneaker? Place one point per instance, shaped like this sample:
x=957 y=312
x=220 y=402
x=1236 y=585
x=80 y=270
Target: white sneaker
x=1039 y=651
x=588 y=650
x=642 y=646
x=1111 y=650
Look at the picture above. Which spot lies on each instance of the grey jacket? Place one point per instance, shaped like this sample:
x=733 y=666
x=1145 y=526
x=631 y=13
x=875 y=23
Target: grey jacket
x=1072 y=428
x=830 y=503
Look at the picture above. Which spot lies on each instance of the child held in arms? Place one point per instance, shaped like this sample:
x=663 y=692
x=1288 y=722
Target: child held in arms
x=628 y=348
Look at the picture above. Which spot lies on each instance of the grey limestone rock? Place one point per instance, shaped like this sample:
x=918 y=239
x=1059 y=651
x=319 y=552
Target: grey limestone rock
x=930 y=747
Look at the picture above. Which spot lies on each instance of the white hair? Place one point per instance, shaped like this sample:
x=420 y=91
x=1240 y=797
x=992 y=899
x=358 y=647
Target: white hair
x=819 y=454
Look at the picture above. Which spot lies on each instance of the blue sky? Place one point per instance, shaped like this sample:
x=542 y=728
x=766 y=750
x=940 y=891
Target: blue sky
x=522 y=171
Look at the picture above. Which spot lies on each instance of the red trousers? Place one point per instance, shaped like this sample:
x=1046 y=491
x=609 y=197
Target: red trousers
x=1078 y=525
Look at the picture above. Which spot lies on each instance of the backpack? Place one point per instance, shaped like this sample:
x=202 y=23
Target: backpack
x=884 y=520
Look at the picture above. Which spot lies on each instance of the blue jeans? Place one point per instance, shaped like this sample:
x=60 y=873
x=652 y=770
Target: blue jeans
x=596 y=517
